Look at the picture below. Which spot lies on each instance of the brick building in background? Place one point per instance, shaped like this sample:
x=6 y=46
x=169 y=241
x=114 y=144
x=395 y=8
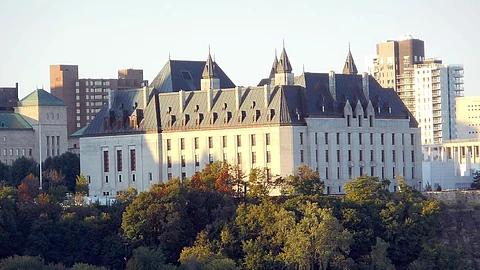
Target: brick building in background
x=85 y=97
x=8 y=98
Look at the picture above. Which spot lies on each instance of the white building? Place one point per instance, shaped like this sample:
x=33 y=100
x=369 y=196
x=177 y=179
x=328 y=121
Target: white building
x=468 y=118
x=341 y=125
x=39 y=120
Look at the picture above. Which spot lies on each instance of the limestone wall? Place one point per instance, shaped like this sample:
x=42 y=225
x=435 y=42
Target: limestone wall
x=452 y=198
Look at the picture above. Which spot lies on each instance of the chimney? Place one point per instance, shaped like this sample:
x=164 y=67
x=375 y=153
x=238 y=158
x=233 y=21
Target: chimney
x=146 y=94
x=366 y=85
x=210 y=98
x=238 y=96
x=111 y=98
x=331 y=84
x=266 y=92
x=181 y=95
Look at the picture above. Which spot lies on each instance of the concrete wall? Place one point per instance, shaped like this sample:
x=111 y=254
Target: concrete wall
x=466 y=198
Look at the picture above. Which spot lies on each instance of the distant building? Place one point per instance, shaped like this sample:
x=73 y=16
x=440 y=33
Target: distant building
x=85 y=97
x=426 y=86
x=468 y=118
x=8 y=98
x=39 y=122
x=341 y=125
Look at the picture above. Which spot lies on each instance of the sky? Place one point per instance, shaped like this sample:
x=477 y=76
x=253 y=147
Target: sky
x=104 y=36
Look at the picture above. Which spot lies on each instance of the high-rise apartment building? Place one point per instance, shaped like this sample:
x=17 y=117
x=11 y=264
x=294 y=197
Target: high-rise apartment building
x=426 y=86
x=85 y=97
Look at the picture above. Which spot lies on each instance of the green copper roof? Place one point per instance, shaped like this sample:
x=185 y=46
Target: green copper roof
x=13 y=121
x=40 y=97
x=79 y=132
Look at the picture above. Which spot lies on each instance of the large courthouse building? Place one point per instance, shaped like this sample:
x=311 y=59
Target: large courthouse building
x=342 y=125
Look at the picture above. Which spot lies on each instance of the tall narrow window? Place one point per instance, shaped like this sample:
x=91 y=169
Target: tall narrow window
x=195 y=141
x=360 y=119
x=269 y=157
x=254 y=140
x=210 y=158
x=169 y=161
x=393 y=138
x=403 y=139
x=371 y=156
x=197 y=161
x=182 y=144
x=370 y=118
x=383 y=155
x=224 y=141
x=301 y=156
x=210 y=142
x=349 y=138
x=326 y=156
x=316 y=138
x=267 y=139
x=393 y=155
x=239 y=140
x=349 y=155
x=360 y=153
x=413 y=156
x=183 y=160
x=338 y=138
x=169 y=145
x=254 y=158
x=326 y=138
x=326 y=173
x=106 y=167
x=360 y=141
x=133 y=160
x=371 y=138
x=412 y=137
x=119 y=160
x=382 y=138
x=338 y=155
x=239 y=158
x=301 y=138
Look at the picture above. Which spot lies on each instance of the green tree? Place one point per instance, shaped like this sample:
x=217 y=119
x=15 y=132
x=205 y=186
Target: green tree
x=305 y=181
x=67 y=164
x=20 y=169
x=436 y=255
x=85 y=266
x=318 y=241
x=9 y=231
x=366 y=190
x=378 y=256
x=146 y=259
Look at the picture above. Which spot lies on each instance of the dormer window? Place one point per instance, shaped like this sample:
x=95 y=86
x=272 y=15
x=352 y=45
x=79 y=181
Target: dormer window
x=253 y=104
x=196 y=108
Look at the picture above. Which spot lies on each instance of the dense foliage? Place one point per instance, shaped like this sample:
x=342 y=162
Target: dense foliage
x=215 y=220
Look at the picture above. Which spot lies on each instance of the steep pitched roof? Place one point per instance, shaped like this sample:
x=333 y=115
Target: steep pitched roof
x=350 y=67
x=209 y=69
x=179 y=75
x=40 y=97
x=274 y=66
x=284 y=65
x=13 y=121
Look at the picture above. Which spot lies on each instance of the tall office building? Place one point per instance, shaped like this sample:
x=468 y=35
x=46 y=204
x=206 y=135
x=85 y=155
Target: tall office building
x=85 y=97
x=8 y=98
x=426 y=86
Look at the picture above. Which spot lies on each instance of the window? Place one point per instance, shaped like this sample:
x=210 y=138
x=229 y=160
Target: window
x=133 y=178
x=383 y=155
x=184 y=175
x=120 y=178
x=393 y=155
x=169 y=161
x=182 y=144
x=371 y=138
x=239 y=158
x=361 y=170
x=349 y=155
x=338 y=172
x=119 y=160
x=338 y=155
x=89 y=179
x=349 y=138
x=133 y=160
x=382 y=138
x=150 y=176
x=350 y=172
x=254 y=157
x=371 y=155
x=301 y=156
x=412 y=137
x=23 y=152
x=393 y=172
x=30 y=152
x=106 y=178
x=224 y=141
x=210 y=158
x=413 y=156
x=239 y=140
x=106 y=167
x=326 y=173
x=393 y=138
x=316 y=155
x=383 y=173
x=371 y=120
x=267 y=139
x=269 y=157
x=225 y=157
x=326 y=138
x=413 y=172
x=338 y=138
x=197 y=161
x=326 y=156
x=195 y=140
x=360 y=138
x=210 y=142
x=348 y=120
x=169 y=145
x=372 y=169
x=360 y=153
x=301 y=138
x=183 y=160
x=316 y=138
x=254 y=141
x=169 y=176
x=360 y=118
x=403 y=139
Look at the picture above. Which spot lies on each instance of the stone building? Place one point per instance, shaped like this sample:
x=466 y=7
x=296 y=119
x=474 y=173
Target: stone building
x=342 y=125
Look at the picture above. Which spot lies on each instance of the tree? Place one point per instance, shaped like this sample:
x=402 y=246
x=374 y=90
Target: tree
x=67 y=164
x=20 y=169
x=366 y=190
x=145 y=258
x=28 y=189
x=318 y=241
x=81 y=185
x=476 y=180
x=378 y=256
x=84 y=266
x=9 y=231
x=306 y=181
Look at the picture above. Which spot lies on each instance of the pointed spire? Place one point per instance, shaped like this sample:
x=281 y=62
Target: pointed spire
x=284 y=65
x=274 y=66
x=350 y=67
x=209 y=70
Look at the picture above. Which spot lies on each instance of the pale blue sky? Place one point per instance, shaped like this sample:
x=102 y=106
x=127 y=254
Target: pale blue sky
x=104 y=36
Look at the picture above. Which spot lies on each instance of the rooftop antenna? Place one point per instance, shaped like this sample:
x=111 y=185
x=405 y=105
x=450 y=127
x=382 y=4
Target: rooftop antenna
x=283 y=40
x=208 y=48
x=168 y=56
